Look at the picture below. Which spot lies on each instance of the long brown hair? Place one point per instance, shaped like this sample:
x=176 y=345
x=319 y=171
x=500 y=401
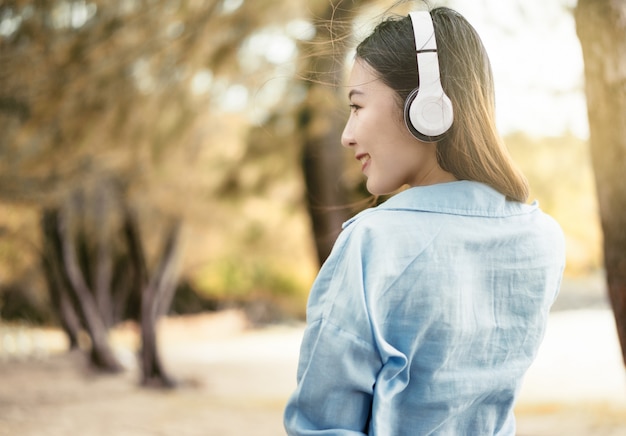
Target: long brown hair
x=472 y=149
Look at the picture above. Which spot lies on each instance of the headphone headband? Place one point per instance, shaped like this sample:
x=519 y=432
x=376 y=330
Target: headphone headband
x=423 y=31
x=428 y=110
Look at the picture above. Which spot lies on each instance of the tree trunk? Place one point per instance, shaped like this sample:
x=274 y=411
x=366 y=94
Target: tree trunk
x=601 y=28
x=322 y=154
x=156 y=297
x=55 y=279
x=102 y=355
x=103 y=271
x=327 y=201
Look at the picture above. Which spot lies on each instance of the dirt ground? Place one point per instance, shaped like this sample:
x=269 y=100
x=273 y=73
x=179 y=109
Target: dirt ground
x=235 y=381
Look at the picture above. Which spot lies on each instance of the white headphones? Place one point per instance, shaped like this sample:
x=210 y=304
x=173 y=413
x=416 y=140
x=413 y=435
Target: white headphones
x=428 y=110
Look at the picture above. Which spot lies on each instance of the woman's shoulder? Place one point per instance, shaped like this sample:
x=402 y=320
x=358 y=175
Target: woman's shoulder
x=379 y=227
x=548 y=229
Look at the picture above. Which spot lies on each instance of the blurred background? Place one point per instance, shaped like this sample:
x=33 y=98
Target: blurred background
x=171 y=178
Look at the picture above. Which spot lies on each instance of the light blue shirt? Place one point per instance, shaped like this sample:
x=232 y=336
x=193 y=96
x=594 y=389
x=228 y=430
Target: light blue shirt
x=426 y=315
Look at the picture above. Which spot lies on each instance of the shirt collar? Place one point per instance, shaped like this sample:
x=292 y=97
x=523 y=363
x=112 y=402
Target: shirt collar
x=462 y=197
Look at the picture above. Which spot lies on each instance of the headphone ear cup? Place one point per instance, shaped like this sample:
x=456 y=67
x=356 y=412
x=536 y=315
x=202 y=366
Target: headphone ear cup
x=427 y=114
x=410 y=123
x=407 y=117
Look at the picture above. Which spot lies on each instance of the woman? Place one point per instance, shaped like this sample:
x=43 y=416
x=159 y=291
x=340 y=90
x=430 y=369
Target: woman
x=431 y=306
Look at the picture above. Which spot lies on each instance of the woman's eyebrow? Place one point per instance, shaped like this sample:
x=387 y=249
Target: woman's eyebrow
x=354 y=92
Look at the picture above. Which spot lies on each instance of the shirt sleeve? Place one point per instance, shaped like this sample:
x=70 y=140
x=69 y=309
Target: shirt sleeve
x=339 y=362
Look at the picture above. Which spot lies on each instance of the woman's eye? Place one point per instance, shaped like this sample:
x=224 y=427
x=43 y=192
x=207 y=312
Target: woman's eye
x=354 y=107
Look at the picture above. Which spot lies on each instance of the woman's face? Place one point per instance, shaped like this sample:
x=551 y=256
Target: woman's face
x=390 y=156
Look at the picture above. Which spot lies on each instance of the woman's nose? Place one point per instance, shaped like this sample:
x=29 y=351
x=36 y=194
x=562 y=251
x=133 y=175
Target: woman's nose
x=347 y=137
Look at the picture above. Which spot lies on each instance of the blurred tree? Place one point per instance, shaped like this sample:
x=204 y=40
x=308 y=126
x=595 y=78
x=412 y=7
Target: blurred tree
x=601 y=28
x=320 y=122
x=97 y=273
x=112 y=115
x=101 y=105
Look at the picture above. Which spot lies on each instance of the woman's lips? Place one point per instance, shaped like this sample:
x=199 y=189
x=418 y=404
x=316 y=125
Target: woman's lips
x=364 y=159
